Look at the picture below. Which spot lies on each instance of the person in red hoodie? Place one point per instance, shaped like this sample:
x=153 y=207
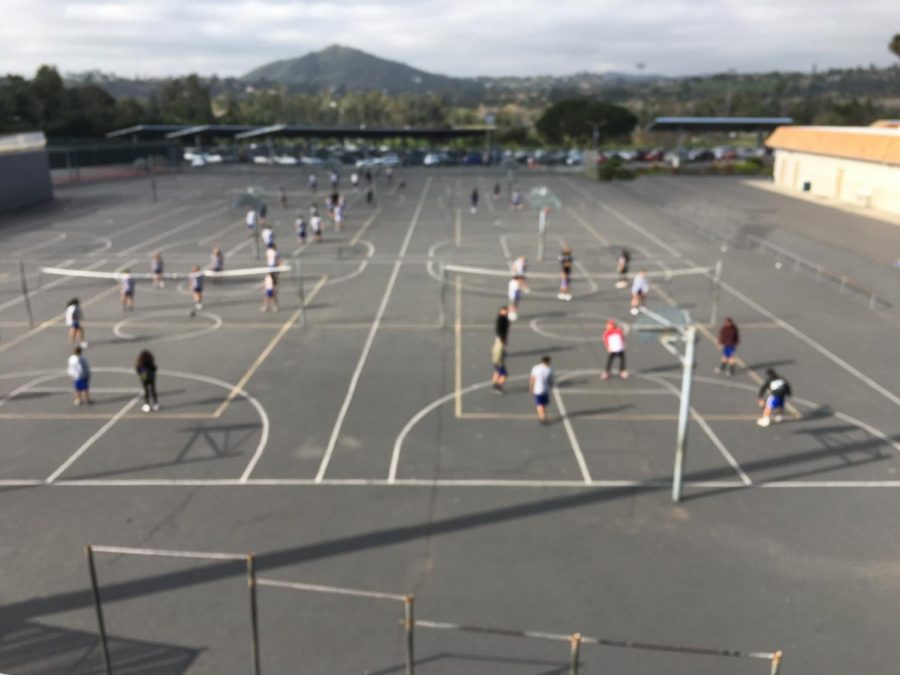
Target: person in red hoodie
x=728 y=341
x=614 y=341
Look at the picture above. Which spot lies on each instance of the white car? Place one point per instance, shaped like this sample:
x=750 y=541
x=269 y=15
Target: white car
x=390 y=160
x=285 y=160
x=433 y=159
x=262 y=159
x=213 y=158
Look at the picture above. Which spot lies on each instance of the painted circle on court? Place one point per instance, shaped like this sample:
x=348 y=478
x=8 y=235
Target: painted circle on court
x=592 y=324
x=190 y=327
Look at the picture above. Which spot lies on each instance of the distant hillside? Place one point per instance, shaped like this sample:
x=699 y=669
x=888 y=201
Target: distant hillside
x=347 y=69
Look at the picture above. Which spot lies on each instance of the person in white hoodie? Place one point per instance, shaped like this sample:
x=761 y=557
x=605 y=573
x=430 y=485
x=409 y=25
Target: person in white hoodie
x=80 y=372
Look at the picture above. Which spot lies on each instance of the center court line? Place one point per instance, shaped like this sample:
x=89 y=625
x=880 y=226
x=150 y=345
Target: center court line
x=573 y=439
x=370 y=339
x=93 y=439
x=286 y=326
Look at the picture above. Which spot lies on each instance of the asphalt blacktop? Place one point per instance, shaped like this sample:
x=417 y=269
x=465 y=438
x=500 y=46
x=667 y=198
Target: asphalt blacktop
x=352 y=438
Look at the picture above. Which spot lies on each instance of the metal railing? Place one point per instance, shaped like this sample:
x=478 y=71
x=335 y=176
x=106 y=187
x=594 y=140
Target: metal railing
x=575 y=640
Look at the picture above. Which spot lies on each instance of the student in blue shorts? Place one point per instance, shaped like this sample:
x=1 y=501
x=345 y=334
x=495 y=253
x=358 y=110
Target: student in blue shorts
x=127 y=291
x=728 y=340
x=195 y=280
x=80 y=372
x=772 y=395
x=539 y=386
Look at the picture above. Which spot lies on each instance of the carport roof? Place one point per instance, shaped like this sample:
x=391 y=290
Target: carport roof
x=718 y=123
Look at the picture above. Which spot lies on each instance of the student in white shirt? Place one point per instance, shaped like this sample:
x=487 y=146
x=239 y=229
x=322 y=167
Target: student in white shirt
x=639 y=289
x=539 y=386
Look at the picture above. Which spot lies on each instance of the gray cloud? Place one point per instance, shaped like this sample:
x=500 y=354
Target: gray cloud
x=460 y=37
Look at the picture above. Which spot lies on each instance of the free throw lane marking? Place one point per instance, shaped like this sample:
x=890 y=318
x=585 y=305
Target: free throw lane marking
x=93 y=439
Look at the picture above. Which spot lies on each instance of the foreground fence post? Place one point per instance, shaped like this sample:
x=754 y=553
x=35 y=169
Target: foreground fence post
x=409 y=624
x=576 y=652
x=254 y=616
x=776 y=663
x=104 y=645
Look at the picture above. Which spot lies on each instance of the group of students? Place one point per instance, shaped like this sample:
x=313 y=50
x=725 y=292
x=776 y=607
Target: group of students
x=772 y=394
x=79 y=369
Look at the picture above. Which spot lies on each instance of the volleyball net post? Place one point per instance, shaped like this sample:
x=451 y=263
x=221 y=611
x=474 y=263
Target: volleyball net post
x=25 y=294
x=715 y=293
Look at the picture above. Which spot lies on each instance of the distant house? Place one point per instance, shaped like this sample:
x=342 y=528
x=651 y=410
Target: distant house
x=855 y=165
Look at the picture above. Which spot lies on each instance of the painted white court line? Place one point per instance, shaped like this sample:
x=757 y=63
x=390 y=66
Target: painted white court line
x=52 y=284
x=573 y=439
x=445 y=483
x=136 y=226
x=824 y=351
x=34 y=247
x=671 y=250
x=370 y=339
x=234 y=249
x=119 y=328
x=170 y=232
x=93 y=439
x=710 y=434
x=215 y=235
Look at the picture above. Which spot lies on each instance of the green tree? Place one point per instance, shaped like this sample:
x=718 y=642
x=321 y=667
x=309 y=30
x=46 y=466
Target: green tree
x=894 y=45
x=574 y=120
x=48 y=100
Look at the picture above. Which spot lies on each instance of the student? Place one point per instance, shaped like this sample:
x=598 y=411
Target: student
x=514 y=294
x=614 y=341
x=389 y=174
x=565 y=273
x=273 y=257
x=270 y=295
x=316 y=223
x=519 y=268
x=156 y=266
x=497 y=190
x=473 y=199
x=772 y=395
x=622 y=268
x=283 y=198
x=338 y=217
x=539 y=386
x=312 y=182
x=80 y=372
x=498 y=359
x=252 y=220
x=263 y=212
x=354 y=180
x=195 y=279
x=369 y=176
x=334 y=181
x=639 y=289
x=145 y=367
x=216 y=260
x=73 y=321
x=501 y=326
x=300 y=224
x=728 y=341
x=517 y=199
x=268 y=236
x=127 y=291
x=370 y=197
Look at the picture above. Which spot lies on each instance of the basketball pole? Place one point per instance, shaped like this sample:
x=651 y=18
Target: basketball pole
x=684 y=408
x=542 y=227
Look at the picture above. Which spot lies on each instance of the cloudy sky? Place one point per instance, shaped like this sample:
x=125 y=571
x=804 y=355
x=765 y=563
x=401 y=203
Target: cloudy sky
x=454 y=37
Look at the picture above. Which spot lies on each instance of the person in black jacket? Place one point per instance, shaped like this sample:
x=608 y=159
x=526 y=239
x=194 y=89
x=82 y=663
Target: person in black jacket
x=772 y=395
x=146 y=370
x=728 y=340
x=501 y=327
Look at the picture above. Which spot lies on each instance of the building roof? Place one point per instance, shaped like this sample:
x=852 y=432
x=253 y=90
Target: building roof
x=718 y=123
x=869 y=144
x=246 y=131
x=146 y=130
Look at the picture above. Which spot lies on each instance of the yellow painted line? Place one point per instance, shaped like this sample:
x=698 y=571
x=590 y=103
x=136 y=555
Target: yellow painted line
x=590 y=228
x=457 y=380
x=57 y=319
x=239 y=387
x=365 y=226
x=458 y=228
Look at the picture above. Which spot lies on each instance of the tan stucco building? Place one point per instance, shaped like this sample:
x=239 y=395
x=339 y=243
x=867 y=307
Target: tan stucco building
x=854 y=165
